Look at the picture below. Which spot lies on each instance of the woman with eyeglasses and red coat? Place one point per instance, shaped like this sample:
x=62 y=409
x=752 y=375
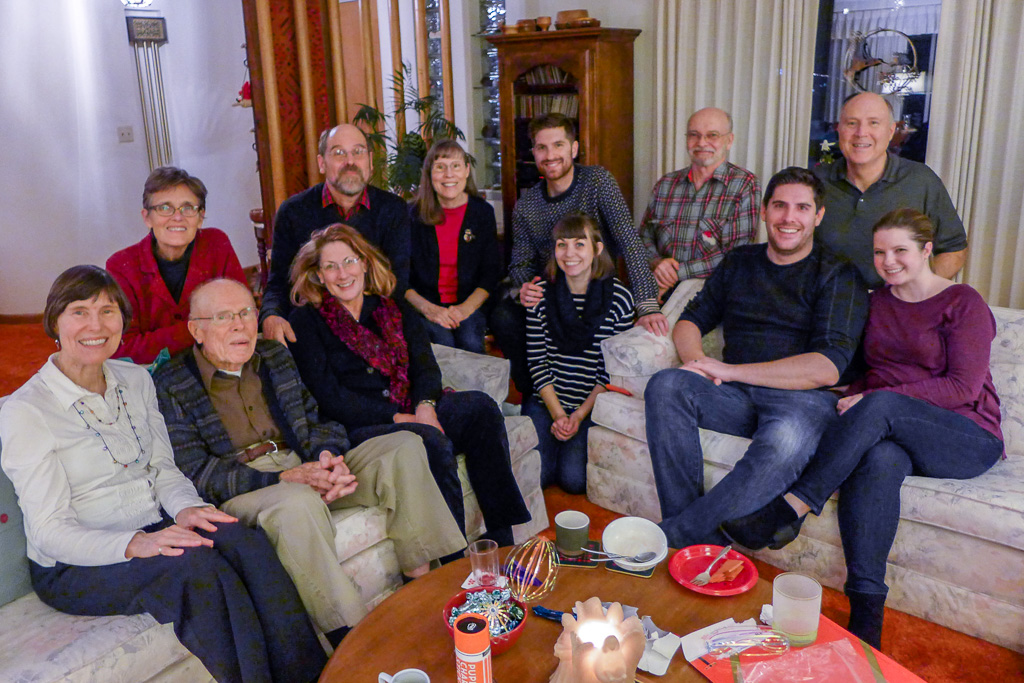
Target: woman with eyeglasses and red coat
x=159 y=273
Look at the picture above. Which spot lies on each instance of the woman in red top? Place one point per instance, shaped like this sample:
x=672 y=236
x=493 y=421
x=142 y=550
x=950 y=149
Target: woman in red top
x=159 y=273
x=456 y=261
x=926 y=406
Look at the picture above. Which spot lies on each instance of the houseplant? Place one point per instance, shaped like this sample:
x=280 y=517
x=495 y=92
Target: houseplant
x=398 y=159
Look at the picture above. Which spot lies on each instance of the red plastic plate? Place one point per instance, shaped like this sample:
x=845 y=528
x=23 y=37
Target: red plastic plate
x=687 y=563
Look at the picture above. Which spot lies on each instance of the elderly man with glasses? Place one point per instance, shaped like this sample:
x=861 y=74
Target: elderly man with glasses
x=247 y=433
x=702 y=211
x=345 y=196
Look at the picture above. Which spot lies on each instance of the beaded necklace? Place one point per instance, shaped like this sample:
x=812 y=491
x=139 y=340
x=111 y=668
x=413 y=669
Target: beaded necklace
x=123 y=402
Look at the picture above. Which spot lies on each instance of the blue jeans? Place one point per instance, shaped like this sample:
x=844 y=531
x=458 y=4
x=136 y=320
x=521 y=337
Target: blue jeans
x=468 y=336
x=561 y=462
x=784 y=425
x=868 y=452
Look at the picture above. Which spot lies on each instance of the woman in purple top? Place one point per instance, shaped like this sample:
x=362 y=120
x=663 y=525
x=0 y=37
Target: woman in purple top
x=926 y=407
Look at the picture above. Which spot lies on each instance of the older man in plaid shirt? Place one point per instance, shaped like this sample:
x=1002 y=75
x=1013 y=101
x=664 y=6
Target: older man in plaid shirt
x=696 y=214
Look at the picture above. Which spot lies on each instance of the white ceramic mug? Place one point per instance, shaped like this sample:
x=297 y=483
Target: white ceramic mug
x=405 y=676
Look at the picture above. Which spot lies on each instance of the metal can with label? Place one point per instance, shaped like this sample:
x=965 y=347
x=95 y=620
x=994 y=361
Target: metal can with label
x=472 y=649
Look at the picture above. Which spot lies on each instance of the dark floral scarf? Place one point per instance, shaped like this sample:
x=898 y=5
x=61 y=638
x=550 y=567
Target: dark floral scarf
x=388 y=354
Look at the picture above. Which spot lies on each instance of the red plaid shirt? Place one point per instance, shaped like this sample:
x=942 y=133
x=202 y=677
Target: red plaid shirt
x=696 y=227
x=363 y=204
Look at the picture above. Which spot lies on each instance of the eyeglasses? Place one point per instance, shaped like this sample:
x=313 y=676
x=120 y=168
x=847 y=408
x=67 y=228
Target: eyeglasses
x=348 y=263
x=454 y=167
x=712 y=137
x=339 y=153
x=166 y=210
x=225 y=317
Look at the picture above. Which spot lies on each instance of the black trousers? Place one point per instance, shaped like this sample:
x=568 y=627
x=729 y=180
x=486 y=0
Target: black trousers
x=233 y=606
x=508 y=325
x=473 y=425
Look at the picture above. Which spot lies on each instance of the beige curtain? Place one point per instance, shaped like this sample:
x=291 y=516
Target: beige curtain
x=975 y=139
x=753 y=58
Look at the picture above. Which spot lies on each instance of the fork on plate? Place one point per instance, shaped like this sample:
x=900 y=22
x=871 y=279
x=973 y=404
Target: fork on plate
x=704 y=577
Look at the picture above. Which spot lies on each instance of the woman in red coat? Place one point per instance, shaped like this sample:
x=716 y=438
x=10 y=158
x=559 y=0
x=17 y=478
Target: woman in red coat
x=159 y=273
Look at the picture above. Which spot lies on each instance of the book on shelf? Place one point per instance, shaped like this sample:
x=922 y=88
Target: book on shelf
x=547 y=74
x=528 y=106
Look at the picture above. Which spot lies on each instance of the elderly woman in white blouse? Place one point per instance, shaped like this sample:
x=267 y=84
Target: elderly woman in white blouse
x=114 y=528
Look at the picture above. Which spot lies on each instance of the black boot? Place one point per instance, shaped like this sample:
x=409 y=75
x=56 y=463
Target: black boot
x=866 y=613
x=774 y=525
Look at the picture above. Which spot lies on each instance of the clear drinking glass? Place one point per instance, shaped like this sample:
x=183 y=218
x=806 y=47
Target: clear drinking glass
x=796 y=607
x=483 y=558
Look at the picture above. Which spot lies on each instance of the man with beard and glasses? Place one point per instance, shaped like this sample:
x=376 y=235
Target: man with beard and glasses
x=567 y=188
x=792 y=313
x=345 y=196
x=700 y=212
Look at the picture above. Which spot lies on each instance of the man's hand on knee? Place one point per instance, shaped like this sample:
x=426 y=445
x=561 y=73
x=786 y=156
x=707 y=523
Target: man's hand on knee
x=696 y=368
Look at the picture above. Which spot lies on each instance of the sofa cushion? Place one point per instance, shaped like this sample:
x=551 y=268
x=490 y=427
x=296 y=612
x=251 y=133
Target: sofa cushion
x=464 y=370
x=1007 y=364
x=40 y=644
x=14 y=578
x=990 y=506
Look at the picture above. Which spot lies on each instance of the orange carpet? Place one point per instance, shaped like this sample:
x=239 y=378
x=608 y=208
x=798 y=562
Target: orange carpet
x=934 y=653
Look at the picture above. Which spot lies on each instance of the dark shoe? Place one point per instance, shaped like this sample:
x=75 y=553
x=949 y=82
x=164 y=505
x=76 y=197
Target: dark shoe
x=774 y=526
x=336 y=636
x=867 y=610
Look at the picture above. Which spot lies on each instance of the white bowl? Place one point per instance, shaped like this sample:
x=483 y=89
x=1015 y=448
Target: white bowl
x=632 y=536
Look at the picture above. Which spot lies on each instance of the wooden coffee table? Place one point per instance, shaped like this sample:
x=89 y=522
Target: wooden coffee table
x=406 y=630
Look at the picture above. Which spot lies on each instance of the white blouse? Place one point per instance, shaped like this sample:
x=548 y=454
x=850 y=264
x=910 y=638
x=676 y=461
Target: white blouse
x=89 y=470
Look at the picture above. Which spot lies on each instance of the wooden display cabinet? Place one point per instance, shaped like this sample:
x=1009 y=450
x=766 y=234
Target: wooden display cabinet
x=585 y=73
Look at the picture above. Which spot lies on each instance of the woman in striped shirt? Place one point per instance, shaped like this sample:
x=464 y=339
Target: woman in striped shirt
x=583 y=303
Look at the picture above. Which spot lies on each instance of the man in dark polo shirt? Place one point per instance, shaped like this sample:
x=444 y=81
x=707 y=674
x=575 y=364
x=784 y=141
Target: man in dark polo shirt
x=792 y=313
x=869 y=182
x=345 y=196
x=247 y=433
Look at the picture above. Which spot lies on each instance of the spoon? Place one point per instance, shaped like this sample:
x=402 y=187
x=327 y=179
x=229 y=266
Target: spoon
x=639 y=558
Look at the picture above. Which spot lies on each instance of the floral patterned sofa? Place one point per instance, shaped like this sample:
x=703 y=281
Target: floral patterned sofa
x=959 y=552
x=39 y=644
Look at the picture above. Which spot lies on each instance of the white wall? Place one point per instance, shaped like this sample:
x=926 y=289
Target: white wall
x=618 y=14
x=69 y=192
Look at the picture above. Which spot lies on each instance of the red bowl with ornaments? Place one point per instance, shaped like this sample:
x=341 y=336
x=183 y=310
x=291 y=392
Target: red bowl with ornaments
x=499 y=644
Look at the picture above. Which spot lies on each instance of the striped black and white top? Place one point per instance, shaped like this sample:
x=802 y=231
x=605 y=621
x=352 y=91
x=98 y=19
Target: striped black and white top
x=574 y=377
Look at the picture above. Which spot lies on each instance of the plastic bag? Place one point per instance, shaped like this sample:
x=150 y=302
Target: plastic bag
x=835 y=662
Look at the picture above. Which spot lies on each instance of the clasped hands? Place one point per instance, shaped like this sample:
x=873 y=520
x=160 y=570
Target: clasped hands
x=329 y=476
x=425 y=414
x=566 y=426
x=448 y=317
